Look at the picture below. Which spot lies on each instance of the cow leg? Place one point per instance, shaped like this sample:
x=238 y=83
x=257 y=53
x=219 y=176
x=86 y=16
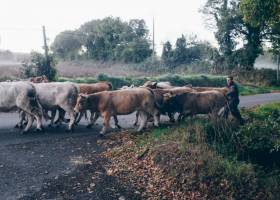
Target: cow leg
x=180 y=117
x=93 y=118
x=53 y=113
x=30 y=119
x=22 y=116
x=143 y=123
x=61 y=117
x=39 y=122
x=117 y=122
x=79 y=117
x=137 y=119
x=72 y=121
x=106 y=122
x=171 y=117
x=156 y=118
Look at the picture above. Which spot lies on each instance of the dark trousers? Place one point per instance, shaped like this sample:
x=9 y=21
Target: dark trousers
x=233 y=108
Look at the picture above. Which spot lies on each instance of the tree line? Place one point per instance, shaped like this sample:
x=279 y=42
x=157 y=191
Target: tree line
x=106 y=39
x=242 y=28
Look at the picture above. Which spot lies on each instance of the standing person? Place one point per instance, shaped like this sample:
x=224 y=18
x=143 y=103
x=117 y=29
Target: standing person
x=233 y=100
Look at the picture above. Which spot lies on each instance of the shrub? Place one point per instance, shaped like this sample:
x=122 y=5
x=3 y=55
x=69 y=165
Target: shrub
x=263 y=77
x=258 y=140
x=39 y=65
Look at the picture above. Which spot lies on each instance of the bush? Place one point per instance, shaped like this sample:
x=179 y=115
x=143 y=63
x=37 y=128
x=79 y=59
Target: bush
x=38 y=66
x=263 y=77
x=175 y=79
x=258 y=140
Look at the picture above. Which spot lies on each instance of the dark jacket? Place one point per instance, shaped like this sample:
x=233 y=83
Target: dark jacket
x=233 y=93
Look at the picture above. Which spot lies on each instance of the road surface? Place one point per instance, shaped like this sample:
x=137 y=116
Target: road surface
x=29 y=162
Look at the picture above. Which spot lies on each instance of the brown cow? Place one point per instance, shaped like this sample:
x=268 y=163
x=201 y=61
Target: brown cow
x=91 y=88
x=223 y=90
x=192 y=103
x=164 y=108
x=119 y=102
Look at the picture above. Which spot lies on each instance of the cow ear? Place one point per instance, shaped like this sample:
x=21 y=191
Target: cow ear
x=154 y=84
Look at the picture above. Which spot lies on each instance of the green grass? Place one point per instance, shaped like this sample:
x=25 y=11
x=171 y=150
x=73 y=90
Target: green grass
x=251 y=90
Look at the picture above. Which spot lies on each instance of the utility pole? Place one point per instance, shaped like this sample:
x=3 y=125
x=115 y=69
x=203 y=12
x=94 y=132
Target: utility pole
x=278 y=63
x=45 y=47
x=153 y=39
x=45 y=44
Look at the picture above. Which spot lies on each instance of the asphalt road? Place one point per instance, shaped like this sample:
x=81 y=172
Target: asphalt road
x=27 y=161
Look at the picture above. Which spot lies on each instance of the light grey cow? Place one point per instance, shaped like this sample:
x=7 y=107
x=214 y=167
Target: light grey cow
x=21 y=95
x=59 y=96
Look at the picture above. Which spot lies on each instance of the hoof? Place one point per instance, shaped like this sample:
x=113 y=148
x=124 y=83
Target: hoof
x=172 y=121
x=69 y=130
x=101 y=135
x=135 y=124
x=40 y=130
x=23 y=132
x=89 y=126
x=16 y=126
x=119 y=127
x=155 y=125
x=50 y=125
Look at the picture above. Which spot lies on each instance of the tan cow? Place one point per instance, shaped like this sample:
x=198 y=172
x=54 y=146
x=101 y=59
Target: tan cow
x=91 y=88
x=119 y=102
x=223 y=90
x=158 y=85
x=192 y=103
x=163 y=107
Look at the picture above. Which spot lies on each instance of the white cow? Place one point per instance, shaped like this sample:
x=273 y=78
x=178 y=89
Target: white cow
x=21 y=95
x=61 y=96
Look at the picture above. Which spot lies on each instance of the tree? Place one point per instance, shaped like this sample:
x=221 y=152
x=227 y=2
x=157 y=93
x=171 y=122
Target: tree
x=180 y=50
x=241 y=20
x=67 y=44
x=167 y=54
x=38 y=65
x=113 y=39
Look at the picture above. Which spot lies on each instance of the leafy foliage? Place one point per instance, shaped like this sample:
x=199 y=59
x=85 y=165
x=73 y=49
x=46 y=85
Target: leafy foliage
x=38 y=65
x=187 y=50
x=68 y=44
x=106 y=39
x=248 y=20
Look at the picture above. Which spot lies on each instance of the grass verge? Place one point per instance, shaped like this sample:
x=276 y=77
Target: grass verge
x=202 y=158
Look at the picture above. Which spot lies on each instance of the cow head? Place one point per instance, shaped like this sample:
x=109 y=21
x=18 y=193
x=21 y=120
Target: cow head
x=168 y=96
x=81 y=103
x=150 y=84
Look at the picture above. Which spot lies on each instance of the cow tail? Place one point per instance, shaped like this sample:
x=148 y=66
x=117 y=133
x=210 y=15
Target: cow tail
x=34 y=101
x=157 y=105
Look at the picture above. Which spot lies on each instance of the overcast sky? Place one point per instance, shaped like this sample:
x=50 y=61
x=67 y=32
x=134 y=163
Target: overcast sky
x=21 y=20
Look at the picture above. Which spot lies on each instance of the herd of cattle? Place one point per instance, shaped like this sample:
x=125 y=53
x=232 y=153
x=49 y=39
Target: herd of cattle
x=37 y=98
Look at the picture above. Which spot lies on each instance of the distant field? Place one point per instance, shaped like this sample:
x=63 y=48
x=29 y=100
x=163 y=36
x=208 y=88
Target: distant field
x=90 y=68
x=9 y=70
